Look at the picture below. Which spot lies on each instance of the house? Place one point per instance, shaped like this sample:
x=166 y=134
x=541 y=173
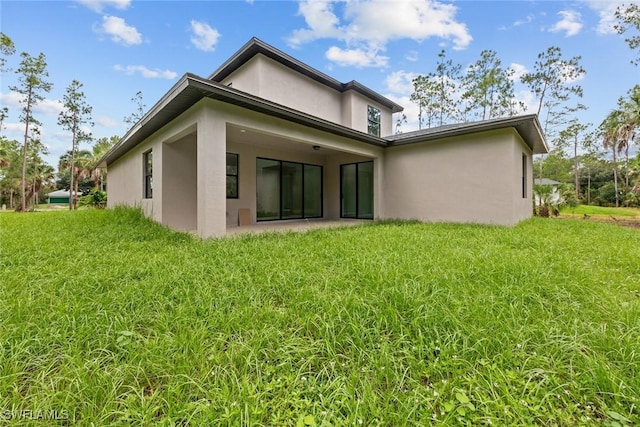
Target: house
x=554 y=194
x=59 y=196
x=267 y=137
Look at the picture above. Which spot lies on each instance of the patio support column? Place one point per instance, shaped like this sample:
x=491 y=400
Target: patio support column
x=378 y=186
x=212 y=193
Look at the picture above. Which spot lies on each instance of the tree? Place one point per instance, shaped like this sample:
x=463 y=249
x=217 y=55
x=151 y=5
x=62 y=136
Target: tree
x=135 y=117
x=629 y=20
x=76 y=114
x=7 y=48
x=32 y=83
x=574 y=135
x=447 y=79
x=488 y=87
x=9 y=170
x=610 y=131
x=630 y=122
x=100 y=148
x=435 y=93
x=424 y=95
x=553 y=84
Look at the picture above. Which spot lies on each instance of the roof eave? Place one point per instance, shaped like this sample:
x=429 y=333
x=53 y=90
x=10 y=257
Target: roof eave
x=255 y=46
x=528 y=127
x=202 y=88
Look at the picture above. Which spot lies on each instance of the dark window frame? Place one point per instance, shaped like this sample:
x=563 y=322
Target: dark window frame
x=147 y=173
x=374 y=125
x=525 y=161
x=236 y=176
x=280 y=218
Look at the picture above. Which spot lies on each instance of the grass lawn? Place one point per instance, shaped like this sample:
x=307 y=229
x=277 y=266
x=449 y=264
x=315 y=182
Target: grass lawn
x=600 y=210
x=109 y=319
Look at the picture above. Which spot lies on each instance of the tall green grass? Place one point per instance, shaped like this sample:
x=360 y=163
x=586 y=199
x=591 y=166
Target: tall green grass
x=113 y=320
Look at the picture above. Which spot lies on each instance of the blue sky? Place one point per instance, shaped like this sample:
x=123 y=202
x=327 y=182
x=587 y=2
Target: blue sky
x=118 y=47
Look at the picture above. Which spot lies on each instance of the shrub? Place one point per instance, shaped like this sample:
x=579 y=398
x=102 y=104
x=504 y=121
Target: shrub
x=96 y=198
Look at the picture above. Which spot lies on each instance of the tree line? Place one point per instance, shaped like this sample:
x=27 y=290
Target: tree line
x=24 y=176
x=485 y=90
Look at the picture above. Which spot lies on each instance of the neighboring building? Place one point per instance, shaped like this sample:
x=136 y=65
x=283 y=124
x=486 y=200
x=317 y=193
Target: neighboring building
x=267 y=137
x=554 y=194
x=59 y=196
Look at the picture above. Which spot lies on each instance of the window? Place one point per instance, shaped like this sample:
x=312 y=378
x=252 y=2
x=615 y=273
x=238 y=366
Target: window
x=232 y=176
x=524 y=176
x=147 y=159
x=373 y=121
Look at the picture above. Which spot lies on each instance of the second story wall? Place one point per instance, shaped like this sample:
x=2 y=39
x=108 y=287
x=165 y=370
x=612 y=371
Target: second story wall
x=266 y=78
x=355 y=109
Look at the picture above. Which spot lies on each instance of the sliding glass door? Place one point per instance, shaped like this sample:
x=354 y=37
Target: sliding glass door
x=287 y=190
x=356 y=190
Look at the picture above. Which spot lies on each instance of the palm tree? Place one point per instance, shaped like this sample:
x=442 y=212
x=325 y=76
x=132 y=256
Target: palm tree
x=629 y=110
x=83 y=167
x=610 y=129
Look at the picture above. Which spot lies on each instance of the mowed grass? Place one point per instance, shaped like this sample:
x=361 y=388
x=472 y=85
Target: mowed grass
x=110 y=319
x=600 y=210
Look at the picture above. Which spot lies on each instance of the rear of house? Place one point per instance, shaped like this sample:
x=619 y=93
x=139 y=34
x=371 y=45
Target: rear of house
x=268 y=138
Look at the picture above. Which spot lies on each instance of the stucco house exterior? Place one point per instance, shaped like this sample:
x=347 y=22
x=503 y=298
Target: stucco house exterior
x=268 y=138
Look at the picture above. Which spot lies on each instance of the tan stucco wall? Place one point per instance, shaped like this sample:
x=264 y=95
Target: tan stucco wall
x=266 y=78
x=355 y=110
x=197 y=140
x=475 y=179
x=180 y=182
x=125 y=180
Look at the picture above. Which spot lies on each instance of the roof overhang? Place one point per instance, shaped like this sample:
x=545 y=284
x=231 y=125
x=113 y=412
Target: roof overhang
x=256 y=46
x=527 y=126
x=190 y=89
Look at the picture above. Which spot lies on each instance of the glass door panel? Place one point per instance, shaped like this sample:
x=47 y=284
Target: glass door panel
x=312 y=191
x=365 y=190
x=348 y=190
x=356 y=190
x=291 y=190
x=267 y=189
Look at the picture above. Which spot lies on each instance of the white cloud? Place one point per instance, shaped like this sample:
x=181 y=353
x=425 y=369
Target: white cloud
x=119 y=31
x=356 y=57
x=524 y=21
x=204 y=37
x=320 y=19
x=606 y=11
x=410 y=111
x=571 y=23
x=518 y=71
x=107 y=122
x=412 y=56
x=11 y=99
x=13 y=127
x=571 y=75
x=47 y=107
x=375 y=22
x=100 y=5
x=400 y=82
x=146 y=72
x=527 y=99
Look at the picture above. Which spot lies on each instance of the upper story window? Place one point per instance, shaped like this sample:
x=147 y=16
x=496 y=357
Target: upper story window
x=147 y=163
x=373 y=121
